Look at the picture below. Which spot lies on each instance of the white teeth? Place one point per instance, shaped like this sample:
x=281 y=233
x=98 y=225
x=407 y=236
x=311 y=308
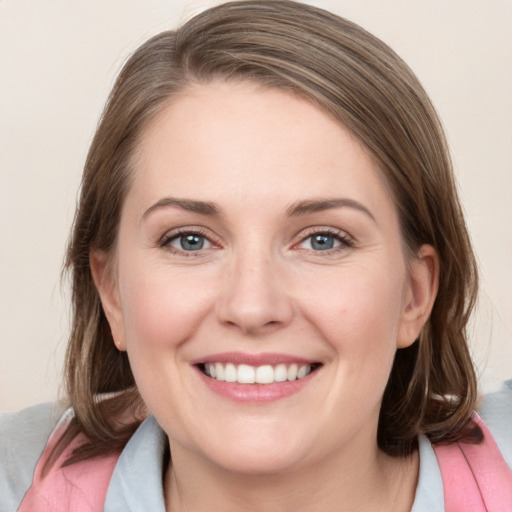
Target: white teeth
x=303 y=371
x=266 y=374
x=230 y=373
x=210 y=370
x=245 y=374
x=280 y=373
x=292 y=372
x=219 y=371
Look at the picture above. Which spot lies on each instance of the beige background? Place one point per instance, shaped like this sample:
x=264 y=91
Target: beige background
x=58 y=60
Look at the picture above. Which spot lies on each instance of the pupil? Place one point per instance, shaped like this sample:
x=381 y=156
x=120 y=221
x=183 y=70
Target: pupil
x=192 y=242
x=322 y=242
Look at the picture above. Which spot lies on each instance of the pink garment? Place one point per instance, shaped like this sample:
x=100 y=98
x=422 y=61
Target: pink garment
x=476 y=478
x=80 y=487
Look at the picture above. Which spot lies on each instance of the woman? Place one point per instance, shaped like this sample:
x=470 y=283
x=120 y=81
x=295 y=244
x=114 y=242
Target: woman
x=272 y=280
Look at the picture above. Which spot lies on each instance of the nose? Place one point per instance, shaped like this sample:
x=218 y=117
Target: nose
x=254 y=297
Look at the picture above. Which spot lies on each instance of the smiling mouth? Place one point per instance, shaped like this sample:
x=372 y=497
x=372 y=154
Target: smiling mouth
x=265 y=374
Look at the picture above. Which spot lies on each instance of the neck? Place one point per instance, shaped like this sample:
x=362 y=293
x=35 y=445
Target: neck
x=351 y=482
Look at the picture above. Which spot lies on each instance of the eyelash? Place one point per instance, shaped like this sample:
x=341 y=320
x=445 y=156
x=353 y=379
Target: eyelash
x=165 y=241
x=345 y=240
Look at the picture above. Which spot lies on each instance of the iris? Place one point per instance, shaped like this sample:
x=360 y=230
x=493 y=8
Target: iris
x=322 y=242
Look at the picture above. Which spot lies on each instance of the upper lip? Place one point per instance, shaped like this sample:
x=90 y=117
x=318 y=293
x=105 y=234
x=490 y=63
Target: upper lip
x=268 y=358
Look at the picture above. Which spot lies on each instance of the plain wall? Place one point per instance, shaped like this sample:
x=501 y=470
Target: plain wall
x=58 y=60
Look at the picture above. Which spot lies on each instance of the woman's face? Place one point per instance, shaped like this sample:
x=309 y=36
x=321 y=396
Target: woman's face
x=259 y=242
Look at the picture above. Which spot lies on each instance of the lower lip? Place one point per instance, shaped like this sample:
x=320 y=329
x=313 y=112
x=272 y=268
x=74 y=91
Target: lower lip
x=256 y=393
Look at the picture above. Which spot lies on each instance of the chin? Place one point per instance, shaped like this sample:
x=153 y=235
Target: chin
x=265 y=453
x=259 y=463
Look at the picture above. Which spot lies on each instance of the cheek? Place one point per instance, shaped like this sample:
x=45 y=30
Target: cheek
x=161 y=307
x=161 y=310
x=357 y=301
x=358 y=313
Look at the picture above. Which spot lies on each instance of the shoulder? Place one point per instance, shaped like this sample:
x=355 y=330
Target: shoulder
x=23 y=437
x=496 y=411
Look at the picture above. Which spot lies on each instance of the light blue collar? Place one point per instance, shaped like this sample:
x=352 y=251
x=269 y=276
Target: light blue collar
x=137 y=481
x=429 y=492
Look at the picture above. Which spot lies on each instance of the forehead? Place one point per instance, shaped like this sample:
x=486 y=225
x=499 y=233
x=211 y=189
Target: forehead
x=242 y=139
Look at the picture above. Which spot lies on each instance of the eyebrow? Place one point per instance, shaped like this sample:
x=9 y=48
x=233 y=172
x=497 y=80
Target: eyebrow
x=295 y=210
x=201 y=207
x=317 y=205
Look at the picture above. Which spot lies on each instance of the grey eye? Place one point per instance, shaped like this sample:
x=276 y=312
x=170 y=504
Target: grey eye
x=325 y=241
x=190 y=242
x=322 y=242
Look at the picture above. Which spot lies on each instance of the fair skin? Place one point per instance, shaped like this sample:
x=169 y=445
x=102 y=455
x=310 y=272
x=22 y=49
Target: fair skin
x=258 y=231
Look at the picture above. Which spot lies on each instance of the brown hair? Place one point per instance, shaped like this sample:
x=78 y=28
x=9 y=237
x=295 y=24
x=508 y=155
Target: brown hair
x=362 y=83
